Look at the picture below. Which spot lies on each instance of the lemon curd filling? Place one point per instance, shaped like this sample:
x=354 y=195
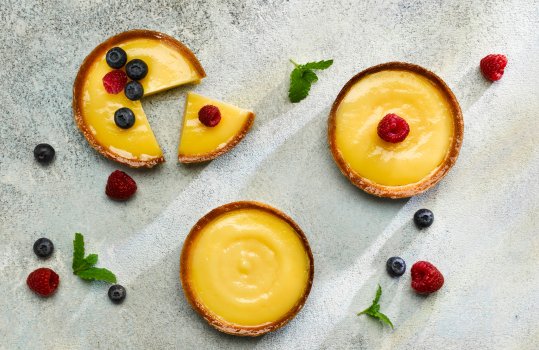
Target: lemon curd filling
x=248 y=267
x=198 y=139
x=412 y=97
x=167 y=68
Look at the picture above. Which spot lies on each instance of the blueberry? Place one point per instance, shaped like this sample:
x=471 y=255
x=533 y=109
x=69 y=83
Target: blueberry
x=423 y=218
x=134 y=90
x=395 y=266
x=124 y=118
x=43 y=247
x=116 y=57
x=44 y=153
x=117 y=293
x=136 y=69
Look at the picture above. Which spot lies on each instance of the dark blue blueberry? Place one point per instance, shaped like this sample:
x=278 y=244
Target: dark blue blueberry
x=136 y=69
x=117 y=293
x=43 y=247
x=116 y=57
x=134 y=90
x=395 y=266
x=423 y=218
x=124 y=118
x=44 y=153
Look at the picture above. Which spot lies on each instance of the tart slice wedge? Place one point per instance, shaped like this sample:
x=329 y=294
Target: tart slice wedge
x=246 y=268
x=169 y=64
x=200 y=143
x=395 y=130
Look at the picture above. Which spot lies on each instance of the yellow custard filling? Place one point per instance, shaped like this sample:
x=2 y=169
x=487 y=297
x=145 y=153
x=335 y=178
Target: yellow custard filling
x=412 y=97
x=197 y=139
x=167 y=68
x=248 y=267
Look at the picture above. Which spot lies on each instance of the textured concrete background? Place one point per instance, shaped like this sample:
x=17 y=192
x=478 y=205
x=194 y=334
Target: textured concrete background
x=485 y=237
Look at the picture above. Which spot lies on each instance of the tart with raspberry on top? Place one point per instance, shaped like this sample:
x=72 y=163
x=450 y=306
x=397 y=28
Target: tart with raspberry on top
x=395 y=130
x=211 y=128
x=112 y=80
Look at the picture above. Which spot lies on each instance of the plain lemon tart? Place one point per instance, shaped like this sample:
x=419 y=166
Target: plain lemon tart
x=246 y=268
x=395 y=130
x=168 y=62
x=202 y=140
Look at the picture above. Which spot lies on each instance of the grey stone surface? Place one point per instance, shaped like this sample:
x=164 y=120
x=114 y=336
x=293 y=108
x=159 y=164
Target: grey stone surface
x=485 y=237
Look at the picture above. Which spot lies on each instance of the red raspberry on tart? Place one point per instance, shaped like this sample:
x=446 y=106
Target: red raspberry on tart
x=393 y=128
x=114 y=81
x=209 y=115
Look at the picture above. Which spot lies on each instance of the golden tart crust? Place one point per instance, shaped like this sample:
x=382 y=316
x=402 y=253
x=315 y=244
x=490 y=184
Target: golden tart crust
x=219 y=324
x=400 y=191
x=78 y=87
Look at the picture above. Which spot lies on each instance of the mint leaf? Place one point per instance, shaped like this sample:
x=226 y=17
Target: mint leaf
x=91 y=259
x=309 y=76
x=378 y=295
x=383 y=318
x=318 y=65
x=302 y=78
x=374 y=309
x=78 y=251
x=83 y=266
x=97 y=274
x=299 y=86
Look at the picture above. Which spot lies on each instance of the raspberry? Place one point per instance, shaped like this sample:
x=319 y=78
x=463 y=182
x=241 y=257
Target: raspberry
x=393 y=128
x=209 y=115
x=120 y=186
x=114 y=81
x=426 y=278
x=492 y=66
x=43 y=281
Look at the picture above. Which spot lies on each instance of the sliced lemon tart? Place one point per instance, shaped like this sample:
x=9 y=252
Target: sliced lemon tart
x=211 y=128
x=247 y=268
x=110 y=83
x=395 y=130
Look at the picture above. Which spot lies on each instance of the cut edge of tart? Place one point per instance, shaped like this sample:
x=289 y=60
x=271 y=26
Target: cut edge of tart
x=86 y=67
x=407 y=190
x=227 y=145
x=216 y=321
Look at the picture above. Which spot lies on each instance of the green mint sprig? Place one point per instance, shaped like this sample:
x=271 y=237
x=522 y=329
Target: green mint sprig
x=302 y=77
x=84 y=266
x=374 y=309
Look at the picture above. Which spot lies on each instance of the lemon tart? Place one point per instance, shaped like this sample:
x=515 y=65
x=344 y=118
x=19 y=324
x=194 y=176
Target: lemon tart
x=200 y=142
x=378 y=99
x=169 y=64
x=246 y=268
